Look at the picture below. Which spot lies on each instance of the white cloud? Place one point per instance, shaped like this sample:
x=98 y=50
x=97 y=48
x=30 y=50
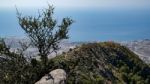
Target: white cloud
x=67 y=4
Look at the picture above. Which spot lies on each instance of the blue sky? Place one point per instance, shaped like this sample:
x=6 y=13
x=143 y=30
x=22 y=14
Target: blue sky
x=76 y=4
x=94 y=19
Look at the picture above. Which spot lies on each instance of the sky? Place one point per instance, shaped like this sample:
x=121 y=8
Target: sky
x=94 y=19
x=75 y=4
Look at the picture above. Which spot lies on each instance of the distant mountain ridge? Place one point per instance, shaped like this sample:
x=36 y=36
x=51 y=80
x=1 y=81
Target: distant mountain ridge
x=139 y=47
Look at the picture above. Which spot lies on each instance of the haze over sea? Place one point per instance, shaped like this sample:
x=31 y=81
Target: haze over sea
x=90 y=24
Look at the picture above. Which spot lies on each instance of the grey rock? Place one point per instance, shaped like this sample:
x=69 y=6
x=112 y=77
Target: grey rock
x=57 y=76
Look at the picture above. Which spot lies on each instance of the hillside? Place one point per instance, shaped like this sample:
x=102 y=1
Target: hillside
x=89 y=63
x=105 y=62
x=141 y=48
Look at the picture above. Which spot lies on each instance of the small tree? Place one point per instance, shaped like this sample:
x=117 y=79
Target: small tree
x=44 y=32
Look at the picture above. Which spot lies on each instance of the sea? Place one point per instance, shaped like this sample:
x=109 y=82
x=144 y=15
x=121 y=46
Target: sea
x=89 y=25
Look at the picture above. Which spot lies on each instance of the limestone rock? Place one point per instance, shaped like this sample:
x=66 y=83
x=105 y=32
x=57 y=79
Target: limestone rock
x=57 y=76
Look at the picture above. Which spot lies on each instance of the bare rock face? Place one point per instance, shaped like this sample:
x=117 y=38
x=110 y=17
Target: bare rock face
x=57 y=76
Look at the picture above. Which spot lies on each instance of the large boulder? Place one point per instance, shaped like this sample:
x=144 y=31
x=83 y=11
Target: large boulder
x=57 y=76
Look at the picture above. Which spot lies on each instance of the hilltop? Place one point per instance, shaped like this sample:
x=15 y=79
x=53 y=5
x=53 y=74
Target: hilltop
x=104 y=62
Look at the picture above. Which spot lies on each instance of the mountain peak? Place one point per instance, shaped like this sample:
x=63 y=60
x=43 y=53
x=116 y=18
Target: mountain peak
x=102 y=62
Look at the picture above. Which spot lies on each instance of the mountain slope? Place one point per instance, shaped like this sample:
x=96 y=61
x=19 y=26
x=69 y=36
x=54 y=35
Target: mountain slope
x=141 y=48
x=105 y=62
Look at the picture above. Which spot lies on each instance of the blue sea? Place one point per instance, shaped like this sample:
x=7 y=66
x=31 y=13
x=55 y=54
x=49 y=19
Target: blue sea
x=89 y=25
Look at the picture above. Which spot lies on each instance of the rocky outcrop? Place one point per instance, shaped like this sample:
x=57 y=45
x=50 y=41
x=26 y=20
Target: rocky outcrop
x=57 y=76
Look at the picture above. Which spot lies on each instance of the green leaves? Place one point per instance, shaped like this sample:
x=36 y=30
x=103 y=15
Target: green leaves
x=44 y=32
